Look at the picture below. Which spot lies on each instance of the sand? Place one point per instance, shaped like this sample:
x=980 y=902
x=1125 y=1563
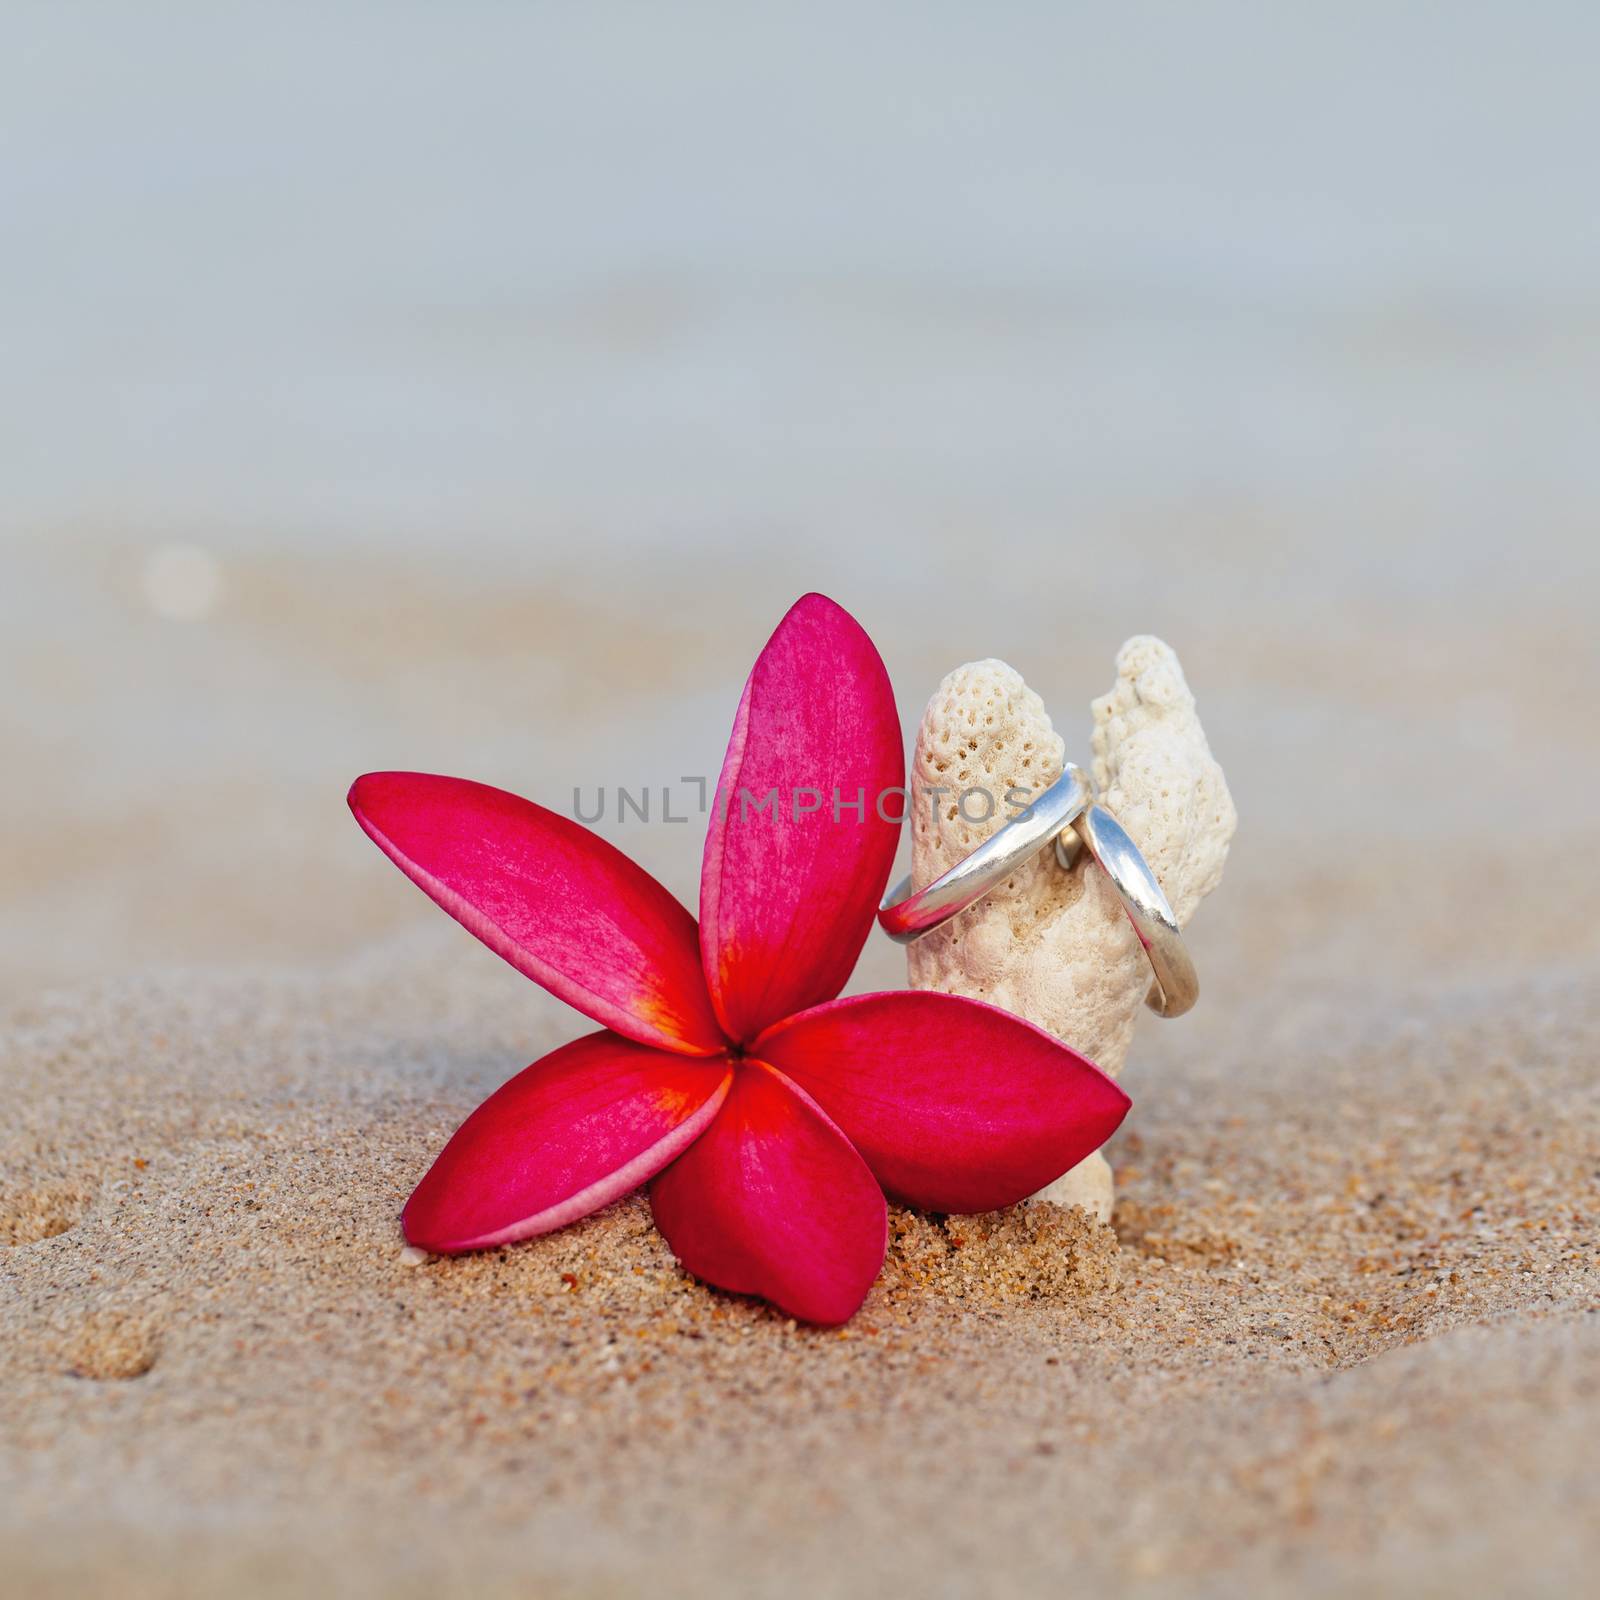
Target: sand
x=1332 y=1335
x=1342 y=1338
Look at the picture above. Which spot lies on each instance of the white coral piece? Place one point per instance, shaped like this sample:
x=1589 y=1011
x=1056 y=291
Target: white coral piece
x=1052 y=946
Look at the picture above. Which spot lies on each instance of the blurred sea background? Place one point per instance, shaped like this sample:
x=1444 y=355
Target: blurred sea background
x=472 y=387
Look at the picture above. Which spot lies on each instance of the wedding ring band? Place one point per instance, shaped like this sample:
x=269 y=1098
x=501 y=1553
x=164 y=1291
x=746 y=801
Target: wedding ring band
x=905 y=916
x=1176 y=986
x=1067 y=817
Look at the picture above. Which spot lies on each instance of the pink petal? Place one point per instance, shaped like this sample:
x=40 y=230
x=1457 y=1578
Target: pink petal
x=954 y=1104
x=559 y=903
x=772 y=1200
x=785 y=904
x=578 y=1129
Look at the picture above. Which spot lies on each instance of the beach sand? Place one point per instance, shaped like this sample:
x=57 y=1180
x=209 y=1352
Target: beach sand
x=1332 y=1335
x=1341 y=1338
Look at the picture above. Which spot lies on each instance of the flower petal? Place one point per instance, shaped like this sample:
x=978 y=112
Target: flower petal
x=558 y=902
x=772 y=1200
x=581 y=1127
x=786 y=900
x=954 y=1104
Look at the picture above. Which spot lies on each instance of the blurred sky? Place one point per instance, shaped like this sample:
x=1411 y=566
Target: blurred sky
x=474 y=341
x=707 y=271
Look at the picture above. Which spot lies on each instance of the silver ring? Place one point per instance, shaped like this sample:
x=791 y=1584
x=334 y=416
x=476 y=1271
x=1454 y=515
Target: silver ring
x=905 y=916
x=1066 y=816
x=1177 y=986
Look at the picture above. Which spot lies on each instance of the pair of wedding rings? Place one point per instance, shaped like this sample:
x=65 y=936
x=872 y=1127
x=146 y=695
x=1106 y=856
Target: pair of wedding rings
x=1067 y=817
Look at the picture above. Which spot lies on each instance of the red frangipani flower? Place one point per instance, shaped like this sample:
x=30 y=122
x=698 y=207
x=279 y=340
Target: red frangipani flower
x=768 y=1116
